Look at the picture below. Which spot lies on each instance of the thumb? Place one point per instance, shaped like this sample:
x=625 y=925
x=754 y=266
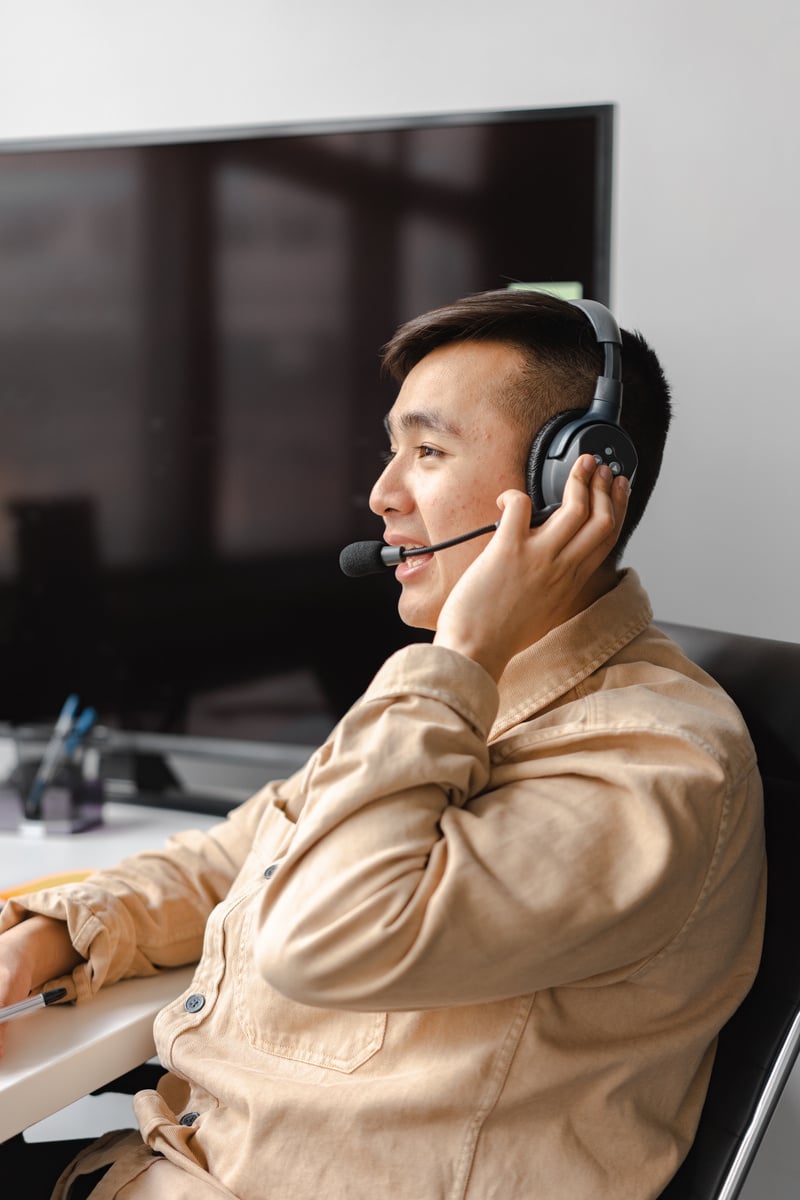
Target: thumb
x=515 y=507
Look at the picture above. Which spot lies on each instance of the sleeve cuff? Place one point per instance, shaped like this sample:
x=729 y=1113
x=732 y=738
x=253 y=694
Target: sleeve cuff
x=441 y=674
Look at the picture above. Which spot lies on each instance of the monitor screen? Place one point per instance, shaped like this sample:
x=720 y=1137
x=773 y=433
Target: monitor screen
x=191 y=401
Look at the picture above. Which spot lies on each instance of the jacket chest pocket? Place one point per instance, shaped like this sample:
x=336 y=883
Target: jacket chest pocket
x=274 y=1024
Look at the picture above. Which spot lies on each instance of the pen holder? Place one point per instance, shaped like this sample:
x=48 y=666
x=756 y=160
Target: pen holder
x=70 y=801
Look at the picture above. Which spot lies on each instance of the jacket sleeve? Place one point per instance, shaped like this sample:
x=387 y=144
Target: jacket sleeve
x=417 y=879
x=150 y=910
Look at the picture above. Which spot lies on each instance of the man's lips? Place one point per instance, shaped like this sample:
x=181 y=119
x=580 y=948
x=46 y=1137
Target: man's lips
x=397 y=539
x=410 y=566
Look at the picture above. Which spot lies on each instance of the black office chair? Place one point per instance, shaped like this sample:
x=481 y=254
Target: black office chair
x=759 y=1045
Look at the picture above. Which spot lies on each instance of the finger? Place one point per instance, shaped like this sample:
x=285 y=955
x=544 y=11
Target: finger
x=576 y=504
x=602 y=506
x=516 y=503
x=515 y=521
x=620 y=496
x=609 y=501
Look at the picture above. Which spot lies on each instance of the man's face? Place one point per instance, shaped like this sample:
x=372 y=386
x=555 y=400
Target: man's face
x=452 y=453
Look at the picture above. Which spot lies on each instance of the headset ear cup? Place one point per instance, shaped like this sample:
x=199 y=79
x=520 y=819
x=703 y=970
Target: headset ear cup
x=538 y=454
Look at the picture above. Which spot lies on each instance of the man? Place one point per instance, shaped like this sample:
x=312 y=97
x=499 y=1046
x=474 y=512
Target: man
x=481 y=945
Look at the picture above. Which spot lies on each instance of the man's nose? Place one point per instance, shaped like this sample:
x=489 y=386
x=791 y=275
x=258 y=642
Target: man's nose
x=388 y=493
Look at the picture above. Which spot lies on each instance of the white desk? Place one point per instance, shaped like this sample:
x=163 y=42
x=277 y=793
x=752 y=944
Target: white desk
x=127 y=828
x=58 y=1054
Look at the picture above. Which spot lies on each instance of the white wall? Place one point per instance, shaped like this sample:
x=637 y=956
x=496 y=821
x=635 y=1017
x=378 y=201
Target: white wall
x=707 y=187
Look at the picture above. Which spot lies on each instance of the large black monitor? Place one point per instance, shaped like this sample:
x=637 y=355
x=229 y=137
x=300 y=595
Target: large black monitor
x=190 y=398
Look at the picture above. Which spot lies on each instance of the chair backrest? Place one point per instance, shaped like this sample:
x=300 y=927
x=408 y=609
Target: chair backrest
x=758 y=1046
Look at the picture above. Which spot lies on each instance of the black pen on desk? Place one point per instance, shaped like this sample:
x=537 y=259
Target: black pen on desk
x=53 y=753
x=41 y=1000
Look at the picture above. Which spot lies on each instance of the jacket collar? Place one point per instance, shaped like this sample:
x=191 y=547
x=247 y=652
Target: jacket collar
x=566 y=656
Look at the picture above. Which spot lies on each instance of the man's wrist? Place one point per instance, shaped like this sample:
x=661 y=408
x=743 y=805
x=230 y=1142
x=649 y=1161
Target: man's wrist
x=44 y=945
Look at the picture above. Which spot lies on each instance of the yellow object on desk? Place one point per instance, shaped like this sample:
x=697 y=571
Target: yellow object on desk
x=44 y=881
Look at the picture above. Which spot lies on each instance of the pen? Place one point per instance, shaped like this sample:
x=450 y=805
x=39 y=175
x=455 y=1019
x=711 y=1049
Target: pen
x=32 y=1003
x=79 y=730
x=66 y=737
x=52 y=754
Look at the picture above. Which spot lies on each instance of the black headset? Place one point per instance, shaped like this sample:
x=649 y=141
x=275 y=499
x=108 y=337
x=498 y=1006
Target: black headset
x=595 y=430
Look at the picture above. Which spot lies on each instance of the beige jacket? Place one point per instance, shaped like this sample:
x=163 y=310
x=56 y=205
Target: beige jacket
x=478 y=949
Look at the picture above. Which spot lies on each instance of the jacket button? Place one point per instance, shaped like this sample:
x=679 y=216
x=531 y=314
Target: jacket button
x=189 y=1118
x=270 y=871
x=194 y=1003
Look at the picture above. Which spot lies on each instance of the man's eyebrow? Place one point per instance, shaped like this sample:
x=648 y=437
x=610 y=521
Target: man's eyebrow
x=422 y=419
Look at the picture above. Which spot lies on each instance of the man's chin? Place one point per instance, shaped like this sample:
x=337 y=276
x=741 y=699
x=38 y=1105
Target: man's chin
x=416 y=616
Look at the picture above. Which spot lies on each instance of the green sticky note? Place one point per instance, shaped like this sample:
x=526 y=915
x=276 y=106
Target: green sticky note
x=566 y=290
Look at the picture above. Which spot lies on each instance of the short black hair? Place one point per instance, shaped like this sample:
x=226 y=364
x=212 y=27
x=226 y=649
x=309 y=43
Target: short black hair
x=562 y=360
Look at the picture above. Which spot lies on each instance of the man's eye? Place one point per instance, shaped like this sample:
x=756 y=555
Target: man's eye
x=422 y=451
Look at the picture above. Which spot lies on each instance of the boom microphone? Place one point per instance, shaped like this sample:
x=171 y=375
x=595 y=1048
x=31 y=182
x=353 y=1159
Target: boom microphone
x=370 y=558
